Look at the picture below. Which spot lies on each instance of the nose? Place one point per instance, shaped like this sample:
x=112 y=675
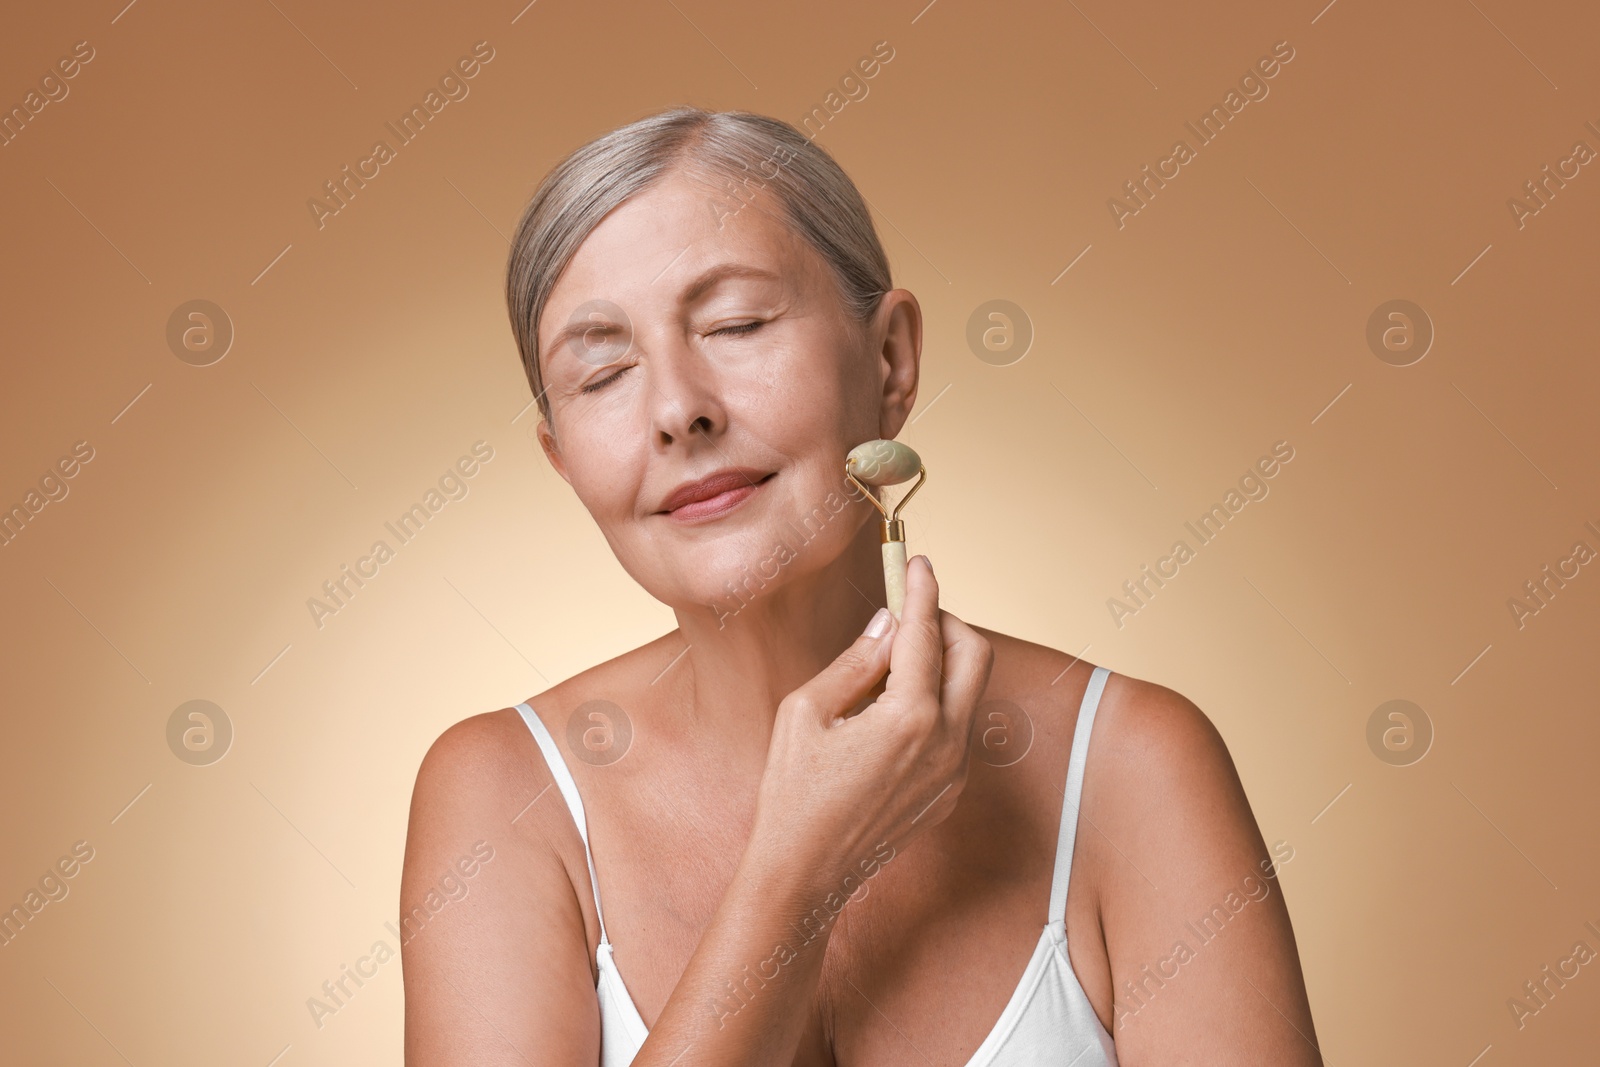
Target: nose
x=685 y=403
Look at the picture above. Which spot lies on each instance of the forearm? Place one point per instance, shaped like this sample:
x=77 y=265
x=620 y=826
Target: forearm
x=747 y=993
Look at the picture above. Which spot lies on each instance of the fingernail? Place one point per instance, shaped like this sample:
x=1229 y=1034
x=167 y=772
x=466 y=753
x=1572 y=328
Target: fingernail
x=879 y=624
x=929 y=563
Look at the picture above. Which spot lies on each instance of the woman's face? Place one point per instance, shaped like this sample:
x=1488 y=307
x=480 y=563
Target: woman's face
x=703 y=400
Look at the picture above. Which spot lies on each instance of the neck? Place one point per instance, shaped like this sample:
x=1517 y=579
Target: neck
x=740 y=664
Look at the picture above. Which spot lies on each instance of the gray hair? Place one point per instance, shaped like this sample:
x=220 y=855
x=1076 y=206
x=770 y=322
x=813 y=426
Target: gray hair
x=737 y=150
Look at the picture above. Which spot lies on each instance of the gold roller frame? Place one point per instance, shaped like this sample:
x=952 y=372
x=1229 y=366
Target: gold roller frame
x=894 y=540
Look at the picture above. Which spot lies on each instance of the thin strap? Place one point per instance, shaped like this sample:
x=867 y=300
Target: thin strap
x=569 y=792
x=1074 y=792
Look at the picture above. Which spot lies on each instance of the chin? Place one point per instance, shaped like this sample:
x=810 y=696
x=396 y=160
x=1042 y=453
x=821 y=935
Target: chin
x=728 y=573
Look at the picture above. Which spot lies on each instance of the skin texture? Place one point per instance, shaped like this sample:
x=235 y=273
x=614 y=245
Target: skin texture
x=770 y=758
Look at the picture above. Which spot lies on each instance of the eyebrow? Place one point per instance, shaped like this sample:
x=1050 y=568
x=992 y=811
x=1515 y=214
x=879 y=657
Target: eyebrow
x=698 y=288
x=722 y=272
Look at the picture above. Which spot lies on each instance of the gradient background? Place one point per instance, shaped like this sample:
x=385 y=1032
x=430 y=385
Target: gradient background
x=1229 y=314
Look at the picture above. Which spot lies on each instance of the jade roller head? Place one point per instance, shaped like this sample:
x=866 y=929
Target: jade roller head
x=880 y=464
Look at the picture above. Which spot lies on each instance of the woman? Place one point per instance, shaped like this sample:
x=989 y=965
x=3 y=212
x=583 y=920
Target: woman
x=763 y=838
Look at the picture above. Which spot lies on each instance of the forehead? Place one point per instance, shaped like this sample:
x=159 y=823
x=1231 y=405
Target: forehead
x=644 y=255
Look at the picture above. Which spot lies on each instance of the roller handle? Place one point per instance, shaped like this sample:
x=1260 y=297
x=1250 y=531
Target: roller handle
x=894 y=575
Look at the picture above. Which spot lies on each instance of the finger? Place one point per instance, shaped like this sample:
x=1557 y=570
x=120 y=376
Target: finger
x=968 y=660
x=917 y=659
x=842 y=684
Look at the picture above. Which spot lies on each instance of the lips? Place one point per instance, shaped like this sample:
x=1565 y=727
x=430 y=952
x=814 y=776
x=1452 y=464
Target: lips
x=714 y=494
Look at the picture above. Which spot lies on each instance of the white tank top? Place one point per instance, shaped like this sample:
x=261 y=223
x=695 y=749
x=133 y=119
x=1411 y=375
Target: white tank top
x=1047 y=1021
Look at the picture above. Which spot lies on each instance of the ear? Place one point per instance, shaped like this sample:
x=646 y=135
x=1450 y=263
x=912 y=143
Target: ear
x=552 y=450
x=898 y=328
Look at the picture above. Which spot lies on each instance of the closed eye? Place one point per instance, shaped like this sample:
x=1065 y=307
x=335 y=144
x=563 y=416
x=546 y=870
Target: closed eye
x=601 y=383
x=737 y=331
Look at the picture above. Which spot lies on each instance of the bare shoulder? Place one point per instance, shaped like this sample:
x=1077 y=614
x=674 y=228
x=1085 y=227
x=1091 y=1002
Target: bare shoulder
x=495 y=937
x=478 y=755
x=476 y=779
x=1161 y=790
x=1154 y=745
x=1170 y=870
x=475 y=789
x=483 y=773
x=1190 y=901
x=1153 y=753
x=1142 y=729
x=493 y=759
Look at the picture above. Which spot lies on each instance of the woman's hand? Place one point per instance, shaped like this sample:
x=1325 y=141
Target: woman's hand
x=839 y=792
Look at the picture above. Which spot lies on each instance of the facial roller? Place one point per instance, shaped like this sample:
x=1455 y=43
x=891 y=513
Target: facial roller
x=882 y=464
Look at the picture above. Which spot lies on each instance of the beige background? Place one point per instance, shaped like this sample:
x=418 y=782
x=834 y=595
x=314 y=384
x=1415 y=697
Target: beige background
x=371 y=353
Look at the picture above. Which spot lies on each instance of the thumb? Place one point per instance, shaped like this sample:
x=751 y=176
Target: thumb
x=842 y=684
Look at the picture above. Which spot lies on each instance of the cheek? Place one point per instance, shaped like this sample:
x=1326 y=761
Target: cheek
x=809 y=389
x=604 y=471
x=789 y=392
